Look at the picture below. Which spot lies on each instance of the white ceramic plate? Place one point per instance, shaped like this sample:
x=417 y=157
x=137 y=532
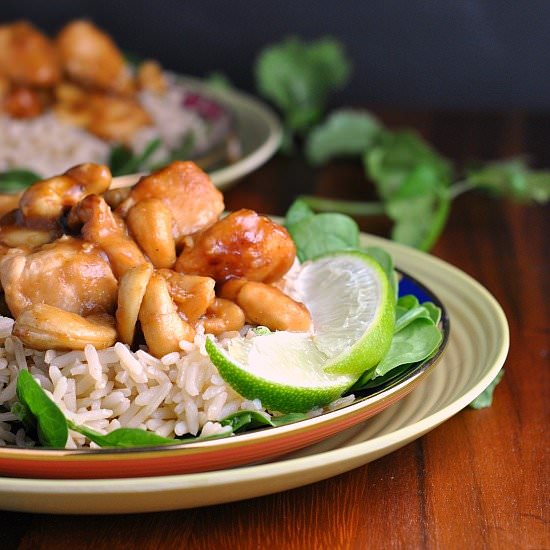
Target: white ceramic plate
x=258 y=131
x=475 y=353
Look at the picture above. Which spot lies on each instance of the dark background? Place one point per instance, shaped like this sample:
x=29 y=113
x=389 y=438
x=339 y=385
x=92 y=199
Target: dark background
x=448 y=54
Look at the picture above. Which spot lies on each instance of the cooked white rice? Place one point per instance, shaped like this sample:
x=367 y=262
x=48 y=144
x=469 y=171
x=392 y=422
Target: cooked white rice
x=47 y=145
x=181 y=393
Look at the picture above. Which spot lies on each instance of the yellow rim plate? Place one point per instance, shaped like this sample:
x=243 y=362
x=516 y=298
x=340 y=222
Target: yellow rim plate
x=475 y=353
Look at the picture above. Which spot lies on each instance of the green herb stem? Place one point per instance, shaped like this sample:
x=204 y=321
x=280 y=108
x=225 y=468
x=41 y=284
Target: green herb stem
x=460 y=187
x=351 y=208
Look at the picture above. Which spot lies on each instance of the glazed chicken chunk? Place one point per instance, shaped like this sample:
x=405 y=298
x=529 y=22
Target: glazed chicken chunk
x=91 y=58
x=28 y=57
x=242 y=245
x=115 y=274
x=69 y=274
x=186 y=190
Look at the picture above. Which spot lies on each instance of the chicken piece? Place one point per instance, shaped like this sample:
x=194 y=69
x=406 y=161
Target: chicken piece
x=28 y=57
x=242 y=245
x=5 y=86
x=23 y=103
x=69 y=274
x=45 y=201
x=116 y=118
x=73 y=104
x=186 y=190
x=107 y=231
x=91 y=58
x=151 y=78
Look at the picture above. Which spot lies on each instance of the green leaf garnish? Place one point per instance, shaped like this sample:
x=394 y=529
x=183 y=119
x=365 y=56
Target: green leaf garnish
x=344 y=133
x=512 y=179
x=123 y=161
x=416 y=338
x=248 y=420
x=50 y=422
x=323 y=233
x=123 y=437
x=298 y=77
x=485 y=398
x=413 y=343
x=15 y=180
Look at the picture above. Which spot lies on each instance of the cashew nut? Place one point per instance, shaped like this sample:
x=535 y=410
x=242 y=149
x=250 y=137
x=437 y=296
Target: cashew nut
x=268 y=306
x=150 y=222
x=162 y=327
x=131 y=290
x=46 y=327
x=223 y=316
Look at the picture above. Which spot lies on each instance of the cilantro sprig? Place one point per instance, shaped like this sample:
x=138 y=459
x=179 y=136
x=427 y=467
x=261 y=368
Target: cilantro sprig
x=415 y=184
x=298 y=78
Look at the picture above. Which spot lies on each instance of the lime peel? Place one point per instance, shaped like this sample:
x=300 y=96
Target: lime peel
x=275 y=396
x=353 y=310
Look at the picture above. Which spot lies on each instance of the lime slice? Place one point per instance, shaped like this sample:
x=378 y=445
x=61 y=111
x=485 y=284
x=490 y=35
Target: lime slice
x=353 y=311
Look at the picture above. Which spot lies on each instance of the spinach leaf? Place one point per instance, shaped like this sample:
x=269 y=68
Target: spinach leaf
x=122 y=437
x=135 y=437
x=485 y=398
x=50 y=421
x=407 y=302
x=323 y=233
x=24 y=415
x=183 y=151
x=298 y=77
x=386 y=263
x=405 y=318
x=15 y=180
x=344 y=133
x=123 y=161
x=298 y=211
x=416 y=338
x=248 y=420
x=415 y=342
x=433 y=311
x=287 y=418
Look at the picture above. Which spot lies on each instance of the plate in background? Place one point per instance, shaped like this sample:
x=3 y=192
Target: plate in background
x=258 y=133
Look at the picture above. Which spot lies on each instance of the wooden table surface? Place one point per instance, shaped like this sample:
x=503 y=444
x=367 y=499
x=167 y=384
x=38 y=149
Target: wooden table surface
x=480 y=480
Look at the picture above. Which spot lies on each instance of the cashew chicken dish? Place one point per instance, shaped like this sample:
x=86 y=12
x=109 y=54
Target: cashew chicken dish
x=108 y=296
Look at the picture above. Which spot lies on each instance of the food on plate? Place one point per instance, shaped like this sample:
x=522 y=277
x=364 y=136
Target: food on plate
x=75 y=97
x=141 y=315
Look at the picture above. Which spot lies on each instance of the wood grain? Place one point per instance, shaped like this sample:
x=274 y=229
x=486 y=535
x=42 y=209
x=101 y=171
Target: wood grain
x=481 y=480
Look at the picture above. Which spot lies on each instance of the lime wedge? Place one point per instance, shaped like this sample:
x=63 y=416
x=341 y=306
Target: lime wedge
x=353 y=311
